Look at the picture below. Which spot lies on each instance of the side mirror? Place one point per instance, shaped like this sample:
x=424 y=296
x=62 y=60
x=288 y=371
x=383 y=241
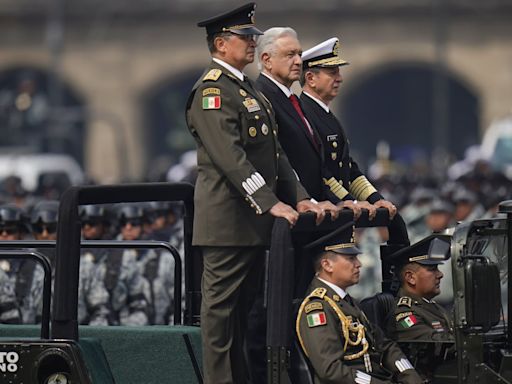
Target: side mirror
x=483 y=293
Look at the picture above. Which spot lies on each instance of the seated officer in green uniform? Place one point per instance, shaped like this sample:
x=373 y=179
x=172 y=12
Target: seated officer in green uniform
x=417 y=316
x=339 y=341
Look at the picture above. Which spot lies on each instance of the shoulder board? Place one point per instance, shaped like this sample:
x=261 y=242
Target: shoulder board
x=319 y=292
x=213 y=74
x=407 y=301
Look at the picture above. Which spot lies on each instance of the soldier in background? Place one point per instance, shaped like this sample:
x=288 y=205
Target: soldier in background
x=120 y=273
x=9 y=310
x=25 y=275
x=92 y=295
x=334 y=333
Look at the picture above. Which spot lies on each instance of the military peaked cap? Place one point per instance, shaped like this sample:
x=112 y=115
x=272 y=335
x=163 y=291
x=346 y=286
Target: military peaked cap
x=239 y=21
x=431 y=250
x=325 y=54
x=339 y=241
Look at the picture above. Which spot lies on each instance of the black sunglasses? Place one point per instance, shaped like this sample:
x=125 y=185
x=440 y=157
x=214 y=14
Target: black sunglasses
x=133 y=223
x=39 y=228
x=9 y=230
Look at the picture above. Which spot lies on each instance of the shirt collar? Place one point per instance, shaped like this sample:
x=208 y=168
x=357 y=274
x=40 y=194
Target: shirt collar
x=286 y=91
x=230 y=68
x=340 y=291
x=318 y=101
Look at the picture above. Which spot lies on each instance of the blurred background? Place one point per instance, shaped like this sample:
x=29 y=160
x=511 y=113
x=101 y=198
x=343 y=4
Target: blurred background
x=106 y=81
x=95 y=91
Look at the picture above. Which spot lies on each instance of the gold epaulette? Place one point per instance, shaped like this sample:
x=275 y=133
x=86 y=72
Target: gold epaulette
x=318 y=292
x=213 y=74
x=404 y=300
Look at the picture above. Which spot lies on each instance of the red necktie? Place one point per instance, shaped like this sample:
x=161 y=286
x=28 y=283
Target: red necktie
x=296 y=105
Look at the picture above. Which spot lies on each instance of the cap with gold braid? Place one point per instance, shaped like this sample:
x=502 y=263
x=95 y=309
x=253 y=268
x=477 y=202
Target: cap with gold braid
x=431 y=250
x=339 y=241
x=239 y=21
x=325 y=54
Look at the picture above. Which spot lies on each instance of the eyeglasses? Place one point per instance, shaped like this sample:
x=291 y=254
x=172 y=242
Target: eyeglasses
x=133 y=223
x=39 y=228
x=9 y=230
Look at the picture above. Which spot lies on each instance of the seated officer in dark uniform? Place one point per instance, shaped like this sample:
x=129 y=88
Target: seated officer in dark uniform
x=417 y=316
x=321 y=80
x=335 y=335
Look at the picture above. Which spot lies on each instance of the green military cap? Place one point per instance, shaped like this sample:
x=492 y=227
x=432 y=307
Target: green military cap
x=339 y=241
x=239 y=21
x=324 y=55
x=431 y=250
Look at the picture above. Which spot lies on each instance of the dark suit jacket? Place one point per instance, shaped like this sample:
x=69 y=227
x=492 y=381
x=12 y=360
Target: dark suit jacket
x=305 y=159
x=319 y=330
x=338 y=161
x=241 y=166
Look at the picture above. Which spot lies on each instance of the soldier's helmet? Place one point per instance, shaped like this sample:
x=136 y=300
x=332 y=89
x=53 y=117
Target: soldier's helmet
x=93 y=214
x=12 y=217
x=45 y=212
x=45 y=215
x=130 y=212
x=154 y=209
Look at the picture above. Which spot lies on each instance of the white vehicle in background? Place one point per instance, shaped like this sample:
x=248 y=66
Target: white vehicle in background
x=30 y=168
x=497 y=145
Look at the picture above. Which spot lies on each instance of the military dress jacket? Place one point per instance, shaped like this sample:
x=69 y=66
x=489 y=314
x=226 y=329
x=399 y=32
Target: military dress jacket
x=345 y=179
x=305 y=156
x=342 y=345
x=242 y=170
x=416 y=318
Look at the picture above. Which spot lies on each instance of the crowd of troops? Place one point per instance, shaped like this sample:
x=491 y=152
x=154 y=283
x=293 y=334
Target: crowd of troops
x=117 y=286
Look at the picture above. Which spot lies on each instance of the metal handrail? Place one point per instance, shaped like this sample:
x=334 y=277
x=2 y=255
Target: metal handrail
x=47 y=282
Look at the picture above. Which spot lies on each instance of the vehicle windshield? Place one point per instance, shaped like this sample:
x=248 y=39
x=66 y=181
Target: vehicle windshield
x=494 y=246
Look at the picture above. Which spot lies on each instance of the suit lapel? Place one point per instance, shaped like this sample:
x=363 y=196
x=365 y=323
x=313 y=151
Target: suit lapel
x=282 y=101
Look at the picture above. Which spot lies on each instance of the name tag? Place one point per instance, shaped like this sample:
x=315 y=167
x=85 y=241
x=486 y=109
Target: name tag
x=251 y=105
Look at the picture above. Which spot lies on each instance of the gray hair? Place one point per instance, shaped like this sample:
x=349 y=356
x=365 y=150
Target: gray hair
x=266 y=42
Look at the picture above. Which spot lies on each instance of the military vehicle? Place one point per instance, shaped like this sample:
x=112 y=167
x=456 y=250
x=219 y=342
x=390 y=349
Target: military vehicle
x=66 y=353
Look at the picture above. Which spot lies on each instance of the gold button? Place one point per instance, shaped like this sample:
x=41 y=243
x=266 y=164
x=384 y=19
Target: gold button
x=341 y=164
x=253 y=132
x=277 y=155
x=252 y=205
x=257 y=117
x=335 y=144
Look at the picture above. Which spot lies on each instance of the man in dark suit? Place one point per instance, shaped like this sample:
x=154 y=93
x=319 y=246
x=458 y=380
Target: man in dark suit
x=334 y=333
x=241 y=166
x=321 y=80
x=279 y=52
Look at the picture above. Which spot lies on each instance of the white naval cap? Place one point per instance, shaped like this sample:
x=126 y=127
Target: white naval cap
x=325 y=54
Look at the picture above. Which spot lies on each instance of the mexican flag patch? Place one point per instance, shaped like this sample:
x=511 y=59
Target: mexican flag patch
x=316 y=319
x=409 y=321
x=211 y=102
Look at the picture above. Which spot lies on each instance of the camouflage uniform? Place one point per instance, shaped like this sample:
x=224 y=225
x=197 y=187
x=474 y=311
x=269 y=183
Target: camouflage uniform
x=158 y=270
x=128 y=303
x=9 y=311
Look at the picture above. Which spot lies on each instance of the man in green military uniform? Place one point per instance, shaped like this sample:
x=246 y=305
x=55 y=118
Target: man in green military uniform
x=244 y=181
x=417 y=316
x=335 y=335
